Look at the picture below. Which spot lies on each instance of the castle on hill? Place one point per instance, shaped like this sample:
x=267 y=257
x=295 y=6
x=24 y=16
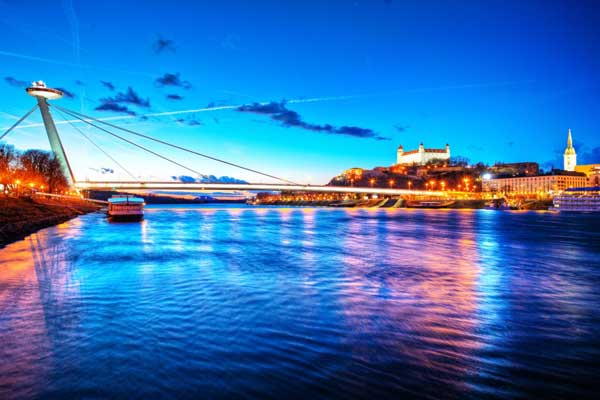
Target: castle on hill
x=421 y=156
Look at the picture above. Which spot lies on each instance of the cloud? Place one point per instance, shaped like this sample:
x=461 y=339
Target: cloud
x=174 y=97
x=231 y=42
x=207 y=179
x=510 y=144
x=172 y=80
x=79 y=83
x=288 y=118
x=108 y=85
x=162 y=44
x=189 y=121
x=112 y=106
x=129 y=97
x=14 y=82
x=68 y=94
x=589 y=157
x=401 y=128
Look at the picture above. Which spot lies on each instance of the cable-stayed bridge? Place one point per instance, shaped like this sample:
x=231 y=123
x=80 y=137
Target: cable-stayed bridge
x=125 y=135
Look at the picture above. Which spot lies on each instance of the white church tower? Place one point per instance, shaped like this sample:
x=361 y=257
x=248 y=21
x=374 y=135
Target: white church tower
x=570 y=157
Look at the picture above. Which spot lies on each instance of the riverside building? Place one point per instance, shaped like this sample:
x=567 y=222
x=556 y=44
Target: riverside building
x=552 y=183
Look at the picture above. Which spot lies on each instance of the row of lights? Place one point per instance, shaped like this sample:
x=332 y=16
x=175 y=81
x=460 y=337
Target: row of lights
x=431 y=183
x=31 y=184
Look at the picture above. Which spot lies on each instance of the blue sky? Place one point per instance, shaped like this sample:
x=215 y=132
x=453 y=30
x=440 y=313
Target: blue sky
x=498 y=80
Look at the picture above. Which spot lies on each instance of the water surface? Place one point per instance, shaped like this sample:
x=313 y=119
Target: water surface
x=314 y=303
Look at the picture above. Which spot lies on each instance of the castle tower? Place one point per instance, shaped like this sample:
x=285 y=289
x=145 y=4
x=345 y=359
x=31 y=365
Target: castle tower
x=448 y=149
x=570 y=157
x=399 y=153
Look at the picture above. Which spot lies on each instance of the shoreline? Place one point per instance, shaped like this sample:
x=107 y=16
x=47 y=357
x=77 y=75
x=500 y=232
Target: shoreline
x=20 y=217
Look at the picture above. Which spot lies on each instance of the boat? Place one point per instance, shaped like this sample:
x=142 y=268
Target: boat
x=583 y=199
x=429 y=203
x=125 y=208
x=499 y=204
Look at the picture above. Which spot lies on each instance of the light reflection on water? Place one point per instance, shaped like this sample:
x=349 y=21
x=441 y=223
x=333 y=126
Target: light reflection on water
x=276 y=302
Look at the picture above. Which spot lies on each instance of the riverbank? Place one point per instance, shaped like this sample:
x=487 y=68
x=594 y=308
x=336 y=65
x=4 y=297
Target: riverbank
x=20 y=217
x=398 y=203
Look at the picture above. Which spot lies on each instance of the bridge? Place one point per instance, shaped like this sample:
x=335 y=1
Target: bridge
x=43 y=94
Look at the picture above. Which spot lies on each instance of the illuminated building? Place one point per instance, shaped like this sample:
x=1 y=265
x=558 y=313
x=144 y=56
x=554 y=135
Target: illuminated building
x=421 y=156
x=570 y=157
x=515 y=169
x=540 y=184
x=592 y=171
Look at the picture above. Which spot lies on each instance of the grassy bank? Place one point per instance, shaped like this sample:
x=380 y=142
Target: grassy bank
x=20 y=217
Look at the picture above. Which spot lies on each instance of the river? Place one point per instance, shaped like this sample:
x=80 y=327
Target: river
x=222 y=302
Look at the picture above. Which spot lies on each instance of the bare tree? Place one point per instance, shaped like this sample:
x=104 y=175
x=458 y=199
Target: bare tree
x=8 y=161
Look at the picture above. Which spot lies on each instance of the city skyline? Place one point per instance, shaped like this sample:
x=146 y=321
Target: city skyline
x=290 y=98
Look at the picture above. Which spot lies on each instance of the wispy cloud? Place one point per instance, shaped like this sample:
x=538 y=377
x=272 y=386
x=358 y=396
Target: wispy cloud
x=212 y=107
x=70 y=64
x=207 y=179
x=231 y=41
x=161 y=44
x=15 y=82
x=288 y=118
x=108 y=85
x=174 y=97
x=169 y=79
x=401 y=128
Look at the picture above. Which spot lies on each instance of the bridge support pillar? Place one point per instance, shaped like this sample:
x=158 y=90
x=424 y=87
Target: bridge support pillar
x=55 y=143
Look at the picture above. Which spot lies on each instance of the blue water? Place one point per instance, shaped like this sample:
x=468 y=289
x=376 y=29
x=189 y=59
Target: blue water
x=304 y=303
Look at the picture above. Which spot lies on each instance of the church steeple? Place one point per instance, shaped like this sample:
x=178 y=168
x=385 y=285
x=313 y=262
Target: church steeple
x=569 y=157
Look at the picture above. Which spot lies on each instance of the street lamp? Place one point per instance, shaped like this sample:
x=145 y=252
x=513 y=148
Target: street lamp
x=391 y=183
x=409 y=184
x=372 y=181
x=432 y=182
x=443 y=185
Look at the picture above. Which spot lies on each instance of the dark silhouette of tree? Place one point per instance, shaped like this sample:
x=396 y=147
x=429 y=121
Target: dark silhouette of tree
x=8 y=161
x=32 y=169
x=41 y=168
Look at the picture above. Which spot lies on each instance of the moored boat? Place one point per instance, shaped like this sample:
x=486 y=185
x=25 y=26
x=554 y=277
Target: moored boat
x=126 y=208
x=585 y=199
x=429 y=203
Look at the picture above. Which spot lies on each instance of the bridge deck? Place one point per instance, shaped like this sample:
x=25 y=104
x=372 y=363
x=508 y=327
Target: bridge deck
x=184 y=186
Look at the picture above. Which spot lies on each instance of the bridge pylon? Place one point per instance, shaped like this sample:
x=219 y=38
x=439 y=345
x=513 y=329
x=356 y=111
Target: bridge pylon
x=43 y=94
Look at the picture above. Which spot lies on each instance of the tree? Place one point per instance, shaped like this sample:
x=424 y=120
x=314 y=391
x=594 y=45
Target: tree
x=8 y=161
x=41 y=168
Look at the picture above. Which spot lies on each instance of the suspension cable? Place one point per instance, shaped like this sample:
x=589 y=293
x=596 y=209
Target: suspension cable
x=132 y=143
x=19 y=121
x=98 y=147
x=76 y=114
